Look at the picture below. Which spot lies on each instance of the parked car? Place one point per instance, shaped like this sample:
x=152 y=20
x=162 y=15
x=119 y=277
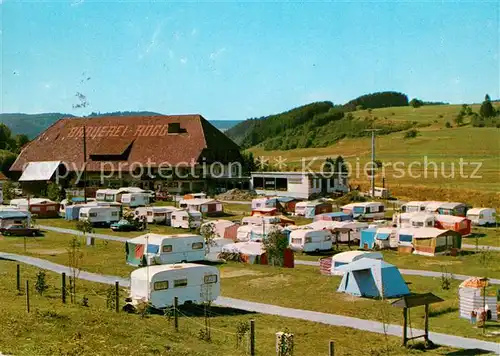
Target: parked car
x=20 y=230
x=125 y=225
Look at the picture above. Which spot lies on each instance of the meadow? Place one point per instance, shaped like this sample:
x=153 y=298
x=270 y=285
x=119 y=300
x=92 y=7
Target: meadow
x=53 y=328
x=436 y=147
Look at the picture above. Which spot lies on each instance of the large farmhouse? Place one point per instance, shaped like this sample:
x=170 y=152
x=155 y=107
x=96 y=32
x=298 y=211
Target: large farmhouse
x=179 y=153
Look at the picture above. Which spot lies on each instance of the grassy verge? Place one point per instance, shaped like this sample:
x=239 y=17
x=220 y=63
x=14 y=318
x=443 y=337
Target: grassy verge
x=468 y=262
x=489 y=236
x=305 y=288
x=52 y=328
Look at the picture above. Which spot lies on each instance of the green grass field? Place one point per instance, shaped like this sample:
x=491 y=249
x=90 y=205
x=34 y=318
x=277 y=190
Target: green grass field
x=435 y=144
x=53 y=328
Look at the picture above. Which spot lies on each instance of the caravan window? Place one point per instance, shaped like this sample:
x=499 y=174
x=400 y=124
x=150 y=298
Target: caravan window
x=93 y=215
x=185 y=218
x=149 y=213
x=212 y=278
x=358 y=210
x=84 y=215
x=422 y=208
x=35 y=208
x=166 y=248
x=338 y=264
x=308 y=240
x=153 y=249
x=161 y=285
x=51 y=208
x=180 y=283
x=380 y=208
x=418 y=223
x=197 y=245
x=429 y=223
x=328 y=237
x=132 y=199
x=405 y=238
x=114 y=213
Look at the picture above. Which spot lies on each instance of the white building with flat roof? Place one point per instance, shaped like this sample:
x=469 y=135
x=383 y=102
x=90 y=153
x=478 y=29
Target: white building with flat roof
x=300 y=185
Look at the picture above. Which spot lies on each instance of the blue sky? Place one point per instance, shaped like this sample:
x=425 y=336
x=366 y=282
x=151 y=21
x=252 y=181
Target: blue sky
x=233 y=61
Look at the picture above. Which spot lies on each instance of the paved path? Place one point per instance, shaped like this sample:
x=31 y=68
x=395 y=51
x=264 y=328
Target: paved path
x=481 y=247
x=214 y=251
x=54 y=267
x=412 y=272
x=324 y=318
x=79 y=233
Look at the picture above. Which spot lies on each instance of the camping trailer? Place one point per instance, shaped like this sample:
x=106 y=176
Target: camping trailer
x=41 y=207
x=165 y=249
x=372 y=278
x=365 y=210
x=414 y=206
x=349 y=231
x=329 y=265
x=185 y=219
x=156 y=214
x=189 y=282
x=255 y=232
x=455 y=209
x=209 y=207
x=433 y=206
x=455 y=223
x=311 y=240
x=309 y=209
x=416 y=219
x=264 y=202
x=107 y=195
x=482 y=216
x=100 y=215
x=337 y=216
x=134 y=200
x=14 y=217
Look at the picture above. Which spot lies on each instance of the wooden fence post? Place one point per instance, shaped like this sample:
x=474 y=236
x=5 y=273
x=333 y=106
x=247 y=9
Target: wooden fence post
x=117 y=296
x=18 y=277
x=27 y=296
x=176 y=314
x=63 y=287
x=252 y=337
x=332 y=349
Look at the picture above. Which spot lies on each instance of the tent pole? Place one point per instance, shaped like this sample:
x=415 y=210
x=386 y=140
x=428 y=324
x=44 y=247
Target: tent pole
x=405 y=324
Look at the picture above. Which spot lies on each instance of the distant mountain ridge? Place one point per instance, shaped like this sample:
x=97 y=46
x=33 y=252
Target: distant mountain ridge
x=33 y=124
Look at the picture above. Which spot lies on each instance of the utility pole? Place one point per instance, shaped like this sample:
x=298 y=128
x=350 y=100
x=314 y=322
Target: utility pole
x=372 y=185
x=84 y=165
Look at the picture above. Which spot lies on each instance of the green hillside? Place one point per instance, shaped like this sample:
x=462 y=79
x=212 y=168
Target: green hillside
x=323 y=124
x=33 y=124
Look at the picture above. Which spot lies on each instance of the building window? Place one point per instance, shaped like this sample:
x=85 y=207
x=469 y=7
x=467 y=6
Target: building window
x=197 y=245
x=160 y=285
x=212 y=278
x=281 y=184
x=270 y=183
x=166 y=248
x=258 y=182
x=180 y=283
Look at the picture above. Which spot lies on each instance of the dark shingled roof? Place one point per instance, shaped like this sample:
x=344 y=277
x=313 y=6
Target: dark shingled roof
x=127 y=139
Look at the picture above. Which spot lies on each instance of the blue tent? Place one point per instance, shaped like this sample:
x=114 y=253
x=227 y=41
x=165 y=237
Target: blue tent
x=367 y=238
x=72 y=212
x=372 y=278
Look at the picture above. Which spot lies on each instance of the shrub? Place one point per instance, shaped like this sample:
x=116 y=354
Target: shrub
x=448 y=125
x=53 y=191
x=41 y=284
x=411 y=133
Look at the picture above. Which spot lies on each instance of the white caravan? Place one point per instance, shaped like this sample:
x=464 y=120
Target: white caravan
x=181 y=219
x=367 y=210
x=100 y=215
x=482 y=216
x=168 y=249
x=311 y=240
x=260 y=220
x=348 y=231
x=134 y=200
x=156 y=214
x=414 y=206
x=189 y=282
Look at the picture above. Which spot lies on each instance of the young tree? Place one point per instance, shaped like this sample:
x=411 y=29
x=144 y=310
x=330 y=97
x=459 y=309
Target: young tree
x=41 y=284
x=416 y=103
x=209 y=234
x=459 y=120
x=275 y=245
x=53 y=191
x=85 y=227
x=75 y=257
x=487 y=109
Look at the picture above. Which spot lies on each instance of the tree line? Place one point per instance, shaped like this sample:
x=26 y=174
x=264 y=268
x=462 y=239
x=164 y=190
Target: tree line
x=10 y=146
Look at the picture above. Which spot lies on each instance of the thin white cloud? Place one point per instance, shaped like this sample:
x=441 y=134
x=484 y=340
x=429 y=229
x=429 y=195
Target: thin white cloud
x=183 y=60
x=193 y=32
x=177 y=35
x=170 y=54
x=216 y=54
x=76 y=2
x=153 y=43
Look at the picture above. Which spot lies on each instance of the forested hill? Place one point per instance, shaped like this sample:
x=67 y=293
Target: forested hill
x=33 y=124
x=316 y=124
